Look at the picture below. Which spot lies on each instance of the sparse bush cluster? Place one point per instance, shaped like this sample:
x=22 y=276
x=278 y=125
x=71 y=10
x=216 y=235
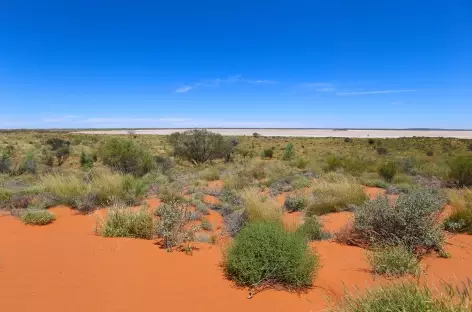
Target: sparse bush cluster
x=121 y=222
x=36 y=216
x=410 y=221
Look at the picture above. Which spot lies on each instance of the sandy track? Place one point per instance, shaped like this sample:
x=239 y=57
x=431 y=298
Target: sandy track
x=463 y=134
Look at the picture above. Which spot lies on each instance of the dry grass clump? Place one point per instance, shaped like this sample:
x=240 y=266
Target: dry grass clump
x=333 y=197
x=210 y=174
x=460 y=220
x=121 y=222
x=37 y=216
x=260 y=207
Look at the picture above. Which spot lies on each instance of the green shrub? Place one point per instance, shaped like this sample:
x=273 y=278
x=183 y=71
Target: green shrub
x=332 y=163
x=37 y=216
x=86 y=160
x=405 y=297
x=333 y=197
x=267 y=153
x=126 y=156
x=410 y=221
x=375 y=183
x=289 y=152
x=171 y=193
x=393 y=261
x=311 y=229
x=200 y=145
x=28 y=164
x=461 y=170
x=5 y=162
x=300 y=162
x=294 y=203
x=124 y=223
x=263 y=253
x=388 y=171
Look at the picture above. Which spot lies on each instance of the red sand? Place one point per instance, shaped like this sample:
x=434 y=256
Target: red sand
x=65 y=266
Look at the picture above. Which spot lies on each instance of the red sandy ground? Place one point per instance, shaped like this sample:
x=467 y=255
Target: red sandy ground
x=64 y=266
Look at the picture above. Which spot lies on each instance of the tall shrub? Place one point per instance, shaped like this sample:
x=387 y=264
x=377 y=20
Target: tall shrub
x=461 y=170
x=126 y=156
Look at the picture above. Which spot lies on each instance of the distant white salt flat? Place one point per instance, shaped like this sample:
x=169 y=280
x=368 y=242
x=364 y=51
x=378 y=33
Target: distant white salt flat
x=314 y=133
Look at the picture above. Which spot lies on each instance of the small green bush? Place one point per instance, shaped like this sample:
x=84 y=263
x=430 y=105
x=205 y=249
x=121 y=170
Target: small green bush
x=86 y=160
x=332 y=163
x=388 y=171
x=172 y=224
x=124 y=223
x=294 y=203
x=126 y=156
x=461 y=170
x=264 y=253
x=267 y=153
x=404 y=297
x=289 y=152
x=311 y=229
x=37 y=216
x=393 y=261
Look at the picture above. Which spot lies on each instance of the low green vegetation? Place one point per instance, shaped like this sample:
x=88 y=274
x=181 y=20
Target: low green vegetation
x=405 y=297
x=388 y=171
x=393 y=261
x=264 y=253
x=461 y=170
x=460 y=220
x=260 y=207
x=311 y=229
x=37 y=216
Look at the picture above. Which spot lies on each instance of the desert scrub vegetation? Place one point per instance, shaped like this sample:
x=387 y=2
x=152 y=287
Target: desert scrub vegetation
x=461 y=170
x=295 y=202
x=460 y=220
x=311 y=229
x=393 y=261
x=172 y=225
x=410 y=221
x=126 y=156
x=94 y=189
x=265 y=254
x=210 y=174
x=333 y=197
x=121 y=222
x=388 y=170
x=260 y=207
x=200 y=145
x=36 y=216
x=407 y=297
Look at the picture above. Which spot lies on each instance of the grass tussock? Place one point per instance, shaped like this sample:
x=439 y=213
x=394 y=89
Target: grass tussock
x=333 y=197
x=406 y=297
x=260 y=207
x=393 y=261
x=37 y=217
x=121 y=222
x=460 y=220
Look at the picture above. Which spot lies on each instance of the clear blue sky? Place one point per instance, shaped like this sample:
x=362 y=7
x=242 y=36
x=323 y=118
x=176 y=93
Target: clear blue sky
x=235 y=63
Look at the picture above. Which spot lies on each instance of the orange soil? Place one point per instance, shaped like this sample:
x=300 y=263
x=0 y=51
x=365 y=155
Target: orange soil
x=64 y=265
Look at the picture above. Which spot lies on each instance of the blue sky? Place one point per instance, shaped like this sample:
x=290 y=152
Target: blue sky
x=235 y=64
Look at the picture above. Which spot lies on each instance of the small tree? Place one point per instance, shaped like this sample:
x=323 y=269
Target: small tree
x=267 y=153
x=200 y=145
x=289 y=152
x=86 y=160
